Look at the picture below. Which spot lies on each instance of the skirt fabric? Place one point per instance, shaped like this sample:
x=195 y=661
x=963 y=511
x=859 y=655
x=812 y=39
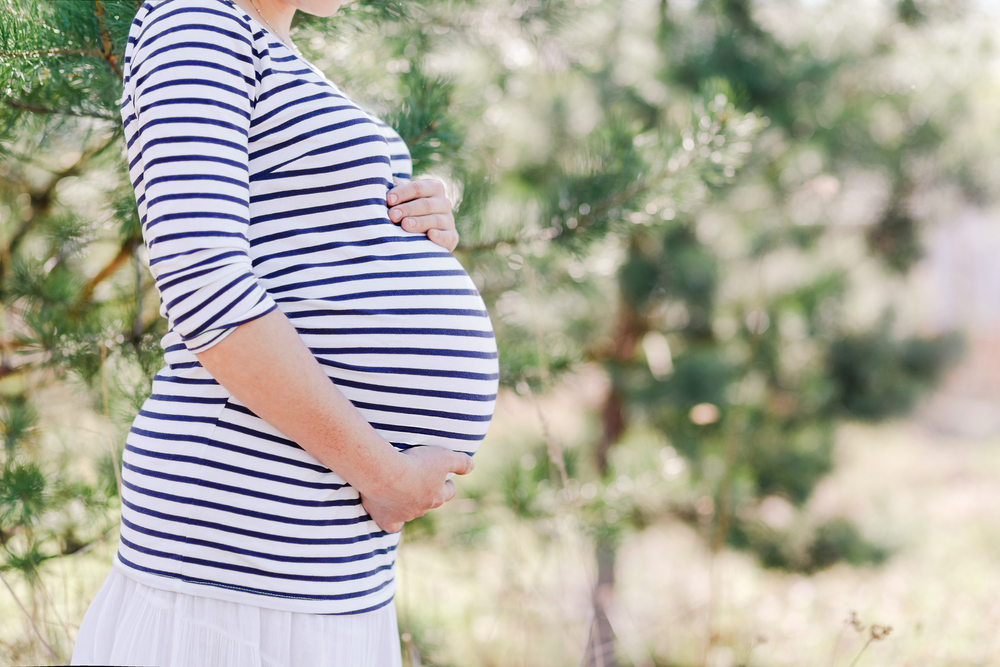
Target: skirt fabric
x=129 y=623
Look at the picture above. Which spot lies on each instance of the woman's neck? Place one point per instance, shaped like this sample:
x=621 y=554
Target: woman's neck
x=273 y=14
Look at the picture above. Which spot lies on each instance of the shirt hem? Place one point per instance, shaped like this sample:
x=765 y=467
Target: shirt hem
x=179 y=584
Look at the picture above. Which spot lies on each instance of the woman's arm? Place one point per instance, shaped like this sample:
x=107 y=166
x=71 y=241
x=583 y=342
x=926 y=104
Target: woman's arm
x=267 y=367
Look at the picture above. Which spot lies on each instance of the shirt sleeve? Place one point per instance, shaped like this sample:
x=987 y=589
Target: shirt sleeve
x=193 y=85
x=399 y=155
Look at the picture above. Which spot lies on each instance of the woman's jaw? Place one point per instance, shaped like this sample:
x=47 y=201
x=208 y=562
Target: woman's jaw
x=278 y=13
x=315 y=7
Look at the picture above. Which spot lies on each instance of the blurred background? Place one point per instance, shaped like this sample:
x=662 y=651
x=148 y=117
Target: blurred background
x=743 y=262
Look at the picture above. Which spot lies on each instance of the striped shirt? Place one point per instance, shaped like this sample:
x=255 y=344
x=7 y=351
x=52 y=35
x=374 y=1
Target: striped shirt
x=261 y=185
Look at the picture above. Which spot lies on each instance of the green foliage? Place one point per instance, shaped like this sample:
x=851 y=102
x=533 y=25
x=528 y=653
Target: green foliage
x=427 y=122
x=62 y=57
x=876 y=377
x=22 y=495
x=519 y=490
x=839 y=540
x=807 y=549
x=18 y=418
x=26 y=561
x=789 y=458
x=896 y=238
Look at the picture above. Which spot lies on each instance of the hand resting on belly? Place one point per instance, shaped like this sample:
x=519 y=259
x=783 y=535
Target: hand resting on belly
x=421 y=206
x=266 y=366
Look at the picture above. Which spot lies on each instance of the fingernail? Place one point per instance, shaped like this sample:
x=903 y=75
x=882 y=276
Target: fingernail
x=410 y=224
x=395 y=214
x=392 y=199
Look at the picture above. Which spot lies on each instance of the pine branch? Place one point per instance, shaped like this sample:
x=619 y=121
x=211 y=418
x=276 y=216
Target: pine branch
x=7 y=369
x=42 y=199
x=420 y=136
x=489 y=245
x=108 y=54
x=86 y=294
x=60 y=112
x=17 y=237
x=586 y=220
x=51 y=52
x=89 y=546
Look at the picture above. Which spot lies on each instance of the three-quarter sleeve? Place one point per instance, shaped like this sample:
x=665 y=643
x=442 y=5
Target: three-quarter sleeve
x=193 y=85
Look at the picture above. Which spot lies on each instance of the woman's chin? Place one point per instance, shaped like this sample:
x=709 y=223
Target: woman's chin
x=321 y=8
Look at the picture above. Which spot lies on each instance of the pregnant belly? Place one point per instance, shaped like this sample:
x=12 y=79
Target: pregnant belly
x=407 y=339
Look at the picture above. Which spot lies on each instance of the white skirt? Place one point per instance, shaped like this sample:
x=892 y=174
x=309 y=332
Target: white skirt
x=129 y=623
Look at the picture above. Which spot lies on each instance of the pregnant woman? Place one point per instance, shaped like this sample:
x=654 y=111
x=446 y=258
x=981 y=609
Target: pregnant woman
x=326 y=367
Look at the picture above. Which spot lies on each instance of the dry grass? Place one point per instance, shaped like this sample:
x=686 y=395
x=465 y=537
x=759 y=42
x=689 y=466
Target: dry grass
x=523 y=600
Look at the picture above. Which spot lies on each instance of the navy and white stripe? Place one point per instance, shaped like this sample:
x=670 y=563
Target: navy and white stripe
x=260 y=185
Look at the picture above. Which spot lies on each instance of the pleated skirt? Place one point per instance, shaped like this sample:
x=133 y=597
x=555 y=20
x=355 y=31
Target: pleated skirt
x=129 y=623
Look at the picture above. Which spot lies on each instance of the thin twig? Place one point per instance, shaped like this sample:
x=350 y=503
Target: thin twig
x=554 y=449
x=55 y=609
x=58 y=112
x=862 y=651
x=877 y=633
x=758 y=640
x=107 y=415
x=124 y=253
x=33 y=624
x=491 y=245
x=836 y=645
x=734 y=432
x=94 y=542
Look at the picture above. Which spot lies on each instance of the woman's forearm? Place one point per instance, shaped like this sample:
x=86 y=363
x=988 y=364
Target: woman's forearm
x=268 y=368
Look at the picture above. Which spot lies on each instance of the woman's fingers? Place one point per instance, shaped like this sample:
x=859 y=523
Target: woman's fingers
x=449 y=490
x=381 y=516
x=425 y=223
x=447 y=240
x=409 y=190
x=461 y=464
x=420 y=208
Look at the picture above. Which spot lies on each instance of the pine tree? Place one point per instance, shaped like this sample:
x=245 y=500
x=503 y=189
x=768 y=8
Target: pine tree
x=628 y=180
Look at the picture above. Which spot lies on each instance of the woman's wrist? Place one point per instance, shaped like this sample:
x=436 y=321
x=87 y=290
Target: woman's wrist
x=385 y=477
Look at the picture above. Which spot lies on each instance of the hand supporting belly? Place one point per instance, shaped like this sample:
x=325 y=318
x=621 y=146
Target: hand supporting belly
x=266 y=366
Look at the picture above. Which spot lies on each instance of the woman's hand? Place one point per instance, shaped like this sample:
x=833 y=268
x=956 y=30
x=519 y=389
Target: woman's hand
x=422 y=487
x=422 y=206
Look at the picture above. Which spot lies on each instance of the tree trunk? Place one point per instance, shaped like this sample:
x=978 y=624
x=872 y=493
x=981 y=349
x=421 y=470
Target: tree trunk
x=601 y=646
x=629 y=329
